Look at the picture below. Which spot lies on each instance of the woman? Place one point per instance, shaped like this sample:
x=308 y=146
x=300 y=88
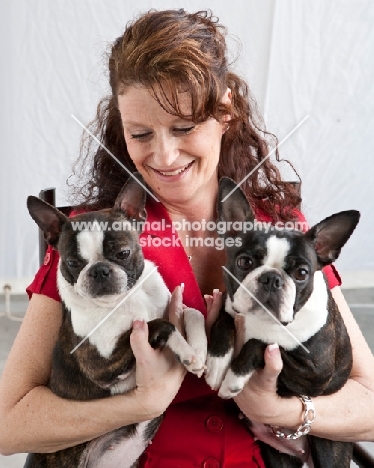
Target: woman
x=182 y=119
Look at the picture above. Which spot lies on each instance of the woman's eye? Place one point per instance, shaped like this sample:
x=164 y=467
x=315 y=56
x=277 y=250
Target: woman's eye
x=141 y=136
x=185 y=130
x=123 y=254
x=301 y=274
x=244 y=262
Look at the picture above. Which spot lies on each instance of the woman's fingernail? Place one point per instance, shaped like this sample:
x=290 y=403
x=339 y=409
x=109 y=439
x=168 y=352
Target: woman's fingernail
x=137 y=324
x=273 y=348
x=215 y=291
x=182 y=287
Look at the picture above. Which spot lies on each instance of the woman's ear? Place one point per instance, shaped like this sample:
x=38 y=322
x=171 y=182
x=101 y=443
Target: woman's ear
x=226 y=100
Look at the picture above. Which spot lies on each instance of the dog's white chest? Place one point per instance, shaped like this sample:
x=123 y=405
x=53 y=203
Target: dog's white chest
x=105 y=320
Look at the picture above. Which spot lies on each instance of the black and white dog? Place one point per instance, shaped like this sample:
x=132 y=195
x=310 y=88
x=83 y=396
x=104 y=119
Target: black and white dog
x=102 y=268
x=274 y=280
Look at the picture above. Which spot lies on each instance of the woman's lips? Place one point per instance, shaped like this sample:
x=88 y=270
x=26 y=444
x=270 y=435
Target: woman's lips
x=173 y=175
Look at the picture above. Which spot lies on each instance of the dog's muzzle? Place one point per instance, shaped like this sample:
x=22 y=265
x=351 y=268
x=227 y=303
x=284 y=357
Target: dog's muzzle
x=99 y=272
x=271 y=281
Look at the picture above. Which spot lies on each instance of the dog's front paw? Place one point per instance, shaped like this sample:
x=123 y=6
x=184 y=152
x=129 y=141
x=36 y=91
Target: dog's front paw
x=232 y=384
x=200 y=353
x=192 y=362
x=196 y=366
x=195 y=331
x=216 y=368
x=186 y=354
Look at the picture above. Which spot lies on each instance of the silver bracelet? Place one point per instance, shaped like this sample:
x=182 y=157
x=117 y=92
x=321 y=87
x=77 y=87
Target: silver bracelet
x=308 y=418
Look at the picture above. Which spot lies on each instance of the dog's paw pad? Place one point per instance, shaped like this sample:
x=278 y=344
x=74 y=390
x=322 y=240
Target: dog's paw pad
x=229 y=391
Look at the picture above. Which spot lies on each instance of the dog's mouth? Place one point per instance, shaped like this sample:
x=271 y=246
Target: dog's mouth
x=235 y=310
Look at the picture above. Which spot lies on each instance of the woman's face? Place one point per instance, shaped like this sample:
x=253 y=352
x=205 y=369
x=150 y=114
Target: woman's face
x=177 y=158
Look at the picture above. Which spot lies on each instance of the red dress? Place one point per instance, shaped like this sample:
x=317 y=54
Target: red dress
x=199 y=429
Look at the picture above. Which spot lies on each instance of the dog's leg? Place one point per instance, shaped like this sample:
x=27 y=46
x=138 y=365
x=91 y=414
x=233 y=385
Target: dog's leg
x=242 y=367
x=220 y=350
x=163 y=333
x=194 y=323
x=330 y=454
x=274 y=459
x=119 y=448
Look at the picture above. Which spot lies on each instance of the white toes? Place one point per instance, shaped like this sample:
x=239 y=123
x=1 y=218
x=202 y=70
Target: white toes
x=232 y=384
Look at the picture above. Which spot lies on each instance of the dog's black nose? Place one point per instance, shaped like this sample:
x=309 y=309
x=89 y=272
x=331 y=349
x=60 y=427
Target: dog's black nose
x=271 y=281
x=100 y=271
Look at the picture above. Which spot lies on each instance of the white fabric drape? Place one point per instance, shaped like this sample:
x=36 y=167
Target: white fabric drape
x=311 y=57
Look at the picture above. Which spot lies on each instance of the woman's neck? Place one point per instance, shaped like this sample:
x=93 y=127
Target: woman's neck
x=196 y=209
x=193 y=213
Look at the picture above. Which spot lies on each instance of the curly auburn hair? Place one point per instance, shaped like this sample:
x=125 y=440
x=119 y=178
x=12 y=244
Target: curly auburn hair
x=175 y=50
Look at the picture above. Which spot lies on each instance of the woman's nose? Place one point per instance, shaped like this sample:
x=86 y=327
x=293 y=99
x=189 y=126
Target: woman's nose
x=166 y=151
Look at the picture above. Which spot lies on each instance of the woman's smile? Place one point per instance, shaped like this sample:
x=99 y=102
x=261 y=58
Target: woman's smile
x=171 y=175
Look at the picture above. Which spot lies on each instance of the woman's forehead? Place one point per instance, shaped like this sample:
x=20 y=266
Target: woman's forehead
x=137 y=99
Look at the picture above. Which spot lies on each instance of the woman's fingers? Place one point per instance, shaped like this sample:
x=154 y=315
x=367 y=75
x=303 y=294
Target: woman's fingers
x=213 y=305
x=139 y=341
x=259 y=399
x=158 y=374
x=176 y=308
x=267 y=377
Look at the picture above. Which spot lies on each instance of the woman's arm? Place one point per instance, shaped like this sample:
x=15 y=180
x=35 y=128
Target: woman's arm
x=346 y=415
x=33 y=419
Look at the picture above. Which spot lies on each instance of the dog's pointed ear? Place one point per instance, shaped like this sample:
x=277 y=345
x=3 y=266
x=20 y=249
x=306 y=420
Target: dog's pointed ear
x=329 y=236
x=49 y=219
x=232 y=204
x=131 y=199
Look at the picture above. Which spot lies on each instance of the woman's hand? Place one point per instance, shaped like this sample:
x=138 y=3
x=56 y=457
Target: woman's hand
x=158 y=374
x=259 y=400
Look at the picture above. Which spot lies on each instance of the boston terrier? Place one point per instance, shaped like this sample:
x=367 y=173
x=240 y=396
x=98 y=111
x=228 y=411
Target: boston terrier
x=274 y=281
x=105 y=282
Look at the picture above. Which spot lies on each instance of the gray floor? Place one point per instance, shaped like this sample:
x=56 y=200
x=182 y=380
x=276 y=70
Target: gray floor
x=361 y=301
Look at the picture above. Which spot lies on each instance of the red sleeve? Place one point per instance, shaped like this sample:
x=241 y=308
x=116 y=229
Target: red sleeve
x=45 y=281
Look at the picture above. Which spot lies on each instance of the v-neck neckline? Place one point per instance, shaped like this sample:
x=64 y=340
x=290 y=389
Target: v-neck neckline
x=162 y=245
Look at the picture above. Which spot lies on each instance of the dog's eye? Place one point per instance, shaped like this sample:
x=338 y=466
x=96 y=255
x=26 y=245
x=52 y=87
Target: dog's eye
x=72 y=263
x=244 y=262
x=123 y=254
x=301 y=274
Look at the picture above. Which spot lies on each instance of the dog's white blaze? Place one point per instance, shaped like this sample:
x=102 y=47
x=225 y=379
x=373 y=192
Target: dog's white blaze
x=277 y=250
x=307 y=321
x=90 y=244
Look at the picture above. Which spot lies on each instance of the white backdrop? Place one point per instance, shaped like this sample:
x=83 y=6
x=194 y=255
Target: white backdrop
x=308 y=57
